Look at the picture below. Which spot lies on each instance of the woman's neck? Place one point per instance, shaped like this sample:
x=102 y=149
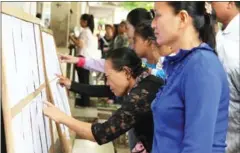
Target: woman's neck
x=187 y=41
x=131 y=84
x=108 y=37
x=150 y=57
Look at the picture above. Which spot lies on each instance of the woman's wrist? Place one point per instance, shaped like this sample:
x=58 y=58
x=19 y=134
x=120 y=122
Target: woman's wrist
x=64 y=119
x=69 y=84
x=81 y=62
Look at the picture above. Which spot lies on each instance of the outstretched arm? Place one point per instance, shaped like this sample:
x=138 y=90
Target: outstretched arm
x=87 y=63
x=90 y=90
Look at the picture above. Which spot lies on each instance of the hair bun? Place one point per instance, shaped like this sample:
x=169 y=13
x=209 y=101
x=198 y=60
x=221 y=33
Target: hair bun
x=208 y=8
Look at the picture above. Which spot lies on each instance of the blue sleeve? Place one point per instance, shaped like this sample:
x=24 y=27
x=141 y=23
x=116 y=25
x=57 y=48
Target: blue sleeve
x=201 y=91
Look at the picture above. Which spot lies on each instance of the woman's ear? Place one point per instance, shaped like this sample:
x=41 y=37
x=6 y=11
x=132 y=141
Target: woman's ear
x=183 y=18
x=128 y=72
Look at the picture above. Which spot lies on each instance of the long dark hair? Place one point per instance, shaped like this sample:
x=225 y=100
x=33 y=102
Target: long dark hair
x=138 y=15
x=125 y=57
x=145 y=30
x=202 y=21
x=90 y=21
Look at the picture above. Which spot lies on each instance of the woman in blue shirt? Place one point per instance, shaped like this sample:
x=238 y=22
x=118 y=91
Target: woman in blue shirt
x=191 y=111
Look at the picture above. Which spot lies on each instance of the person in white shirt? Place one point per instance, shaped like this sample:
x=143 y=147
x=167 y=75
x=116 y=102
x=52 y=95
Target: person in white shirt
x=86 y=46
x=227 y=40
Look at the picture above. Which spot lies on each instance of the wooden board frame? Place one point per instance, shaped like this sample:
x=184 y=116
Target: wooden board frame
x=67 y=146
x=6 y=112
x=47 y=30
x=9 y=112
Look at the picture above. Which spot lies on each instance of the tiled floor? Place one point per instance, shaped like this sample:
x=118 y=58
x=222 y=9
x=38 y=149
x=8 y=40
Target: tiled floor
x=85 y=146
x=123 y=150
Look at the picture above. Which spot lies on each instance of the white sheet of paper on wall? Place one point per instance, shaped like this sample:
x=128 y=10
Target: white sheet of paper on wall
x=64 y=98
x=21 y=65
x=20 y=59
x=27 y=131
x=60 y=103
x=9 y=59
x=34 y=127
x=33 y=81
x=53 y=67
x=54 y=54
x=56 y=99
x=25 y=31
x=47 y=53
x=32 y=53
x=39 y=53
x=17 y=132
x=46 y=122
x=23 y=59
x=25 y=56
x=56 y=95
x=40 y=124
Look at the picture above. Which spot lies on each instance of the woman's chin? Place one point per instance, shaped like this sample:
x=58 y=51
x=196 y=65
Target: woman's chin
x=159 y=41
x=118 y=94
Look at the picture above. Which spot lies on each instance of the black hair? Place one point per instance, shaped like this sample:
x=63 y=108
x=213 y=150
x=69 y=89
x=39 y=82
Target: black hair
x=39 y=15
x=109 y=26
x=237 y=3
x=90 y=21
x=123 y=23
x=202 y=21
x=115 y=27
x=145 y=30
x=214 y=17
x=138 y=15
x=126 y=57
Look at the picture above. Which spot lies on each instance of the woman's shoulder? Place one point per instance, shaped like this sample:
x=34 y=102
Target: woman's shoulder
x=86 y=31
x=204 y=59
x=145 y=92
x=150 y=84
x=204 y=62
x=152 y=80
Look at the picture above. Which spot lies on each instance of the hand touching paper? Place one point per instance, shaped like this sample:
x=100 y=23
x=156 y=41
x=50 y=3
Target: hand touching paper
x=54 y=113
x=68 y=59
x=63 y=81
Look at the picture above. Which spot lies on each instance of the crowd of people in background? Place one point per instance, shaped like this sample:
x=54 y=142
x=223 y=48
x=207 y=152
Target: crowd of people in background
x=176 y=69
